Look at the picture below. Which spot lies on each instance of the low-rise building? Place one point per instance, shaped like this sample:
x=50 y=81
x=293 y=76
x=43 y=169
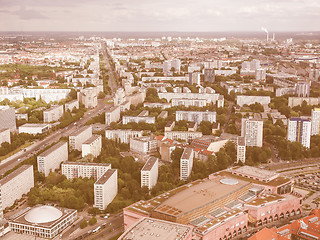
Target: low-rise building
x=106 y=189
x=17 y=183
x=53 y=114
x=5 y=135
x=143 y=145
x=79 y=136
x=122 y=135
x=51 y=159
x=92 y=146
x=186 y=163
x=85 y=170
x=149 y=173
x=34 y=128
x=112 y=115
x=71 y=105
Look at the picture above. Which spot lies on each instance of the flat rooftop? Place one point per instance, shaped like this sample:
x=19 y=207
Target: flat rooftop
x=149 y=164
x=4 y=129
x=255 y=172
x=92 y=139
x=14 y=174
x=35 y=125
x=105 y=177
x=186 y=153
x=53 y=148
x=79 y=130
x=150 y=228
x=87 y=164
x=196 y=196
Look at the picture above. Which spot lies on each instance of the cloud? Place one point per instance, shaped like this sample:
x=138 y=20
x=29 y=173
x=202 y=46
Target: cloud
x=29 y=14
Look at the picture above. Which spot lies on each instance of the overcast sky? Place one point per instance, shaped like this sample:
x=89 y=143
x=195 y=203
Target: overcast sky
x=162 y=15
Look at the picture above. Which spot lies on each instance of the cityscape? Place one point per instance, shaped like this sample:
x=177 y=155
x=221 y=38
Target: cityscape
x=182 y=122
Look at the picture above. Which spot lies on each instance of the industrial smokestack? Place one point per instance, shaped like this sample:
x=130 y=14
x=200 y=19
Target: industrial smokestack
x=266 y=31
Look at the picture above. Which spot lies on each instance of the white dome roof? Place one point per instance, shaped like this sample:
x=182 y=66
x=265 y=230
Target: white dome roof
x=43 y=214
x=229 y=181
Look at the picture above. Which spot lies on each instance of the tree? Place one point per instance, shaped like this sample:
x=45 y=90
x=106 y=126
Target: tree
x=175 y=156
x=206 y=127
x=92 y=221
x=83 y=224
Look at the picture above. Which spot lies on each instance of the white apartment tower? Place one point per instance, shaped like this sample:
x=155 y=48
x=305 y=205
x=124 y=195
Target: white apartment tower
x=241 y=149
x=299 y=130
x=122 y=135
x=51 y=159
x=149 y=173
x=252 y=130
x=186 y=163
x=315 y=121
x=80 y=136
x=106 y=189
x=53 y=114
x=113 y=115
x=92 y=146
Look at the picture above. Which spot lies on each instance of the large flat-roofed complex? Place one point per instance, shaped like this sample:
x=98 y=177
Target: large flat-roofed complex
x=299 y=130
x=105 y=189
x=7 y=118
x=222 y=205
x=149 y=173
x=252 y=131
x=53 y=114
x=151 y=228
x=17 y=183
x=122 y=135
x=5 y=135
x=42 y=221
x=78 y=169
x=186 y=163
x=92 y=146
x=80 y=136
x=196 y=116
x=113 y=115
x=34 y=128
x=51 y=159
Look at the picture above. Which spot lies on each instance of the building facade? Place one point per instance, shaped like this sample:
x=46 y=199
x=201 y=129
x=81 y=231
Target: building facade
x=137 y=119
x=79 y=136
x=143 y=145
x=85 y=170
x=196 y=116
x=89 y=97
x=241 y=149
x=186 y=163
x=113 y=115
x=53 y=114
x=71 y=105
x=252 y=131
x=5 y=135
x=34 y=128
x=183 y=135
x=122 y=135
x=149 y=173
x=51 y=159
x=7 y=118
x=315 y=121
x=299 y=130
x=92 y=146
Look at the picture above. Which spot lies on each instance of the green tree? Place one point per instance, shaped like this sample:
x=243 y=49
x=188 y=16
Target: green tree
x=92 y=221
x=83 y=224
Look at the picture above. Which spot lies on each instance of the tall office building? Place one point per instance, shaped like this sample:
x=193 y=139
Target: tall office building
x=186 y=163
x=252 y=130
x=315 y=121
x=299 y=130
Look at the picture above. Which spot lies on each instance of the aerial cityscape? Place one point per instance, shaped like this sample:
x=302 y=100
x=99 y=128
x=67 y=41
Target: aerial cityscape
x=141 y=120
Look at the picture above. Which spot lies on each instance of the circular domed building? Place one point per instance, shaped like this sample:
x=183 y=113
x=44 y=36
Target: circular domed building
x=42 y=220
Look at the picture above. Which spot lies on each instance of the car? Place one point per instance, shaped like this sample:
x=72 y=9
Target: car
x=19 y=159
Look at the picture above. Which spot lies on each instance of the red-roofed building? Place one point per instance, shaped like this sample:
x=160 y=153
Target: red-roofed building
x=267 y=234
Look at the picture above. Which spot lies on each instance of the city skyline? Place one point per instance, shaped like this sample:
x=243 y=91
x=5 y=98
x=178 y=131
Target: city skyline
x=142 y=15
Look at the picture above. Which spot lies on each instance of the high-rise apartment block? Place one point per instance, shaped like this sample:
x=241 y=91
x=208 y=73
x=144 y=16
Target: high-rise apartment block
x=252 y=130
x=149 y=173
x=303 y=89
x=260 y=74
x=209 y=75
x=315 y=121
x=85 y=170
x=92 y=146
x=71 y=105
x=80 y=136
x=299 y=130
x=105 y=189
x=53 y=114
x=5 y=135
x=196 y=116
x=7 y=118
x=113 y=115
x=51 y=159
x=122 y=135
x=89 y=97
x=144 y=145
x=17 y=183
x=186 y=163
x=241 y=149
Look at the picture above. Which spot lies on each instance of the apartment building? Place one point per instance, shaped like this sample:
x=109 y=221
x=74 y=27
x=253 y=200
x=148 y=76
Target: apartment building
x=196 y=116
x=183 y=135
x=299 y=130
x=34 y=128
x=71 y=105
x=137 y=119
x=186 y=163
x=5 y=135
x=89 y=97
x=83 y=169
x=241 y=149
x=53 y=114
x=209 y=97
x=149 y=173
x=51 y=159
x=106 y=189
x=252 y=131
x=92 y=146
x=112 y=115
x=17 y=183
x=80 y=136
x=144 y=145
x=188 y=102
x=7 y=118
x=315 y=121
x=248 y=100
x=122 y=135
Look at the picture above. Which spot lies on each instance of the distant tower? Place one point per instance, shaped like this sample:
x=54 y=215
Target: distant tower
x=274 y=37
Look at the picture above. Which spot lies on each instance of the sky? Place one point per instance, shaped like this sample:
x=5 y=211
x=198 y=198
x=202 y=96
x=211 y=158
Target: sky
x=162 y=15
